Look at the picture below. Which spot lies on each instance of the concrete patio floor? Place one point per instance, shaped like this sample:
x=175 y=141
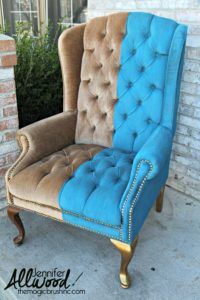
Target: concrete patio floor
x=166 y=264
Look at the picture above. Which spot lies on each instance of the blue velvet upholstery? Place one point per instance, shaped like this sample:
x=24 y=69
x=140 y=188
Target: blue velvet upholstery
x=93 y=199
x=113 y=193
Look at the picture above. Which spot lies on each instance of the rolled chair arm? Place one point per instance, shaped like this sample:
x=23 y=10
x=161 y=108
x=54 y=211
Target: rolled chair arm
x=43 y=138
x=156 y=151
x=148 y=163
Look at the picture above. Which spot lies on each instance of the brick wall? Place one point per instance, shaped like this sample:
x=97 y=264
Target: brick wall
x=8 y=110
x=185 y=162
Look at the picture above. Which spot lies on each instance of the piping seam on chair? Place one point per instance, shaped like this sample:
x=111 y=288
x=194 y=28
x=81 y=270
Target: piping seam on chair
x=39 y=204
x=89 y=219
x=137 y=194
x=166 y=72
x=51 y=207
x=20 y=158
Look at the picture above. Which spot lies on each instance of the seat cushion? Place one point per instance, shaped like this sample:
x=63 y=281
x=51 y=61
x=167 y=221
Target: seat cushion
x=42 y=181
x=96 y=188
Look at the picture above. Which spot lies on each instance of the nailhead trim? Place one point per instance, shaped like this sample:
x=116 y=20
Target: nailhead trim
x=89 y=219
x=68 y=212
x=136 y=196
x=63 y=221
x=98 y=232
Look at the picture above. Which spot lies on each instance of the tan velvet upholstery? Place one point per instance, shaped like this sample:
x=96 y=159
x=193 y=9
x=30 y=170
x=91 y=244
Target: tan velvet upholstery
x=43 y=179
x=97 y=92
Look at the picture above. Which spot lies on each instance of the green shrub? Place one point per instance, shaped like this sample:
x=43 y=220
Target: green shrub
x=38 y=76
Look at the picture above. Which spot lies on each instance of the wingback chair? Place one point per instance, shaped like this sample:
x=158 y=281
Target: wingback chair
x=102 y=163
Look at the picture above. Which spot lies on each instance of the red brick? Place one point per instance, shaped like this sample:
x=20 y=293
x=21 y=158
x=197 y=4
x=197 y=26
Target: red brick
x=9 y=124
x=11 y=158
x=9 y=111
x=2 y=161
x=8 y=99
x=8 y=60
x=8 y=136
x=7 y=45
x=7 y=86
x=3 y=171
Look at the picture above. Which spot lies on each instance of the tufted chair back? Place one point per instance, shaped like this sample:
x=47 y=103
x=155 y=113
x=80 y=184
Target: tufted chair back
x=126 y=78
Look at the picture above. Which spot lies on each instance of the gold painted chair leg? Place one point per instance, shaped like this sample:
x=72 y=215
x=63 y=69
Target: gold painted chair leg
x=13 y=214
x=127 y=252
x=159 y=201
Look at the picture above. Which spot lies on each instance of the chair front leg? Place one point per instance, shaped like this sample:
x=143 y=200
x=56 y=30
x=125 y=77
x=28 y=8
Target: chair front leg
x=13 y=214
x=127 y=252
x=159 y=200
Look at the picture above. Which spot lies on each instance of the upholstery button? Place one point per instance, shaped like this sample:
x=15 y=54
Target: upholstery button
x=119 y=66
x=135 y=134
x=107 y=83
x=130 y=84
x=148 y=120
x=147 y=35
x=103 y=34
x=93 y=128
x=117 y=179
x=133 y=51
x=142 y=68
x=156 y=54
x=100 y=65
x=92 y=50
x=104 y=115
x=111 y=50
x=152 y=86
x=84 y=112
x=96 y=97
x=113 y=131
x=139 y=102
x=125 y=116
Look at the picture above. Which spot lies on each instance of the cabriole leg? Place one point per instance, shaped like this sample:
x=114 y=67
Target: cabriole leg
x=159 y=201
x=127 y=252
x=13 y=214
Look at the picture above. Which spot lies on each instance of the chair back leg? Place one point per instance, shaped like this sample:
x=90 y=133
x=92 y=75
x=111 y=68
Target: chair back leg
x=159 y=200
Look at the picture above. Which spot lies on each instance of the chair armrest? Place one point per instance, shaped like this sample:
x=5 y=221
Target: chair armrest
x=148 y=162
x=43 y=138
x=155 y=151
